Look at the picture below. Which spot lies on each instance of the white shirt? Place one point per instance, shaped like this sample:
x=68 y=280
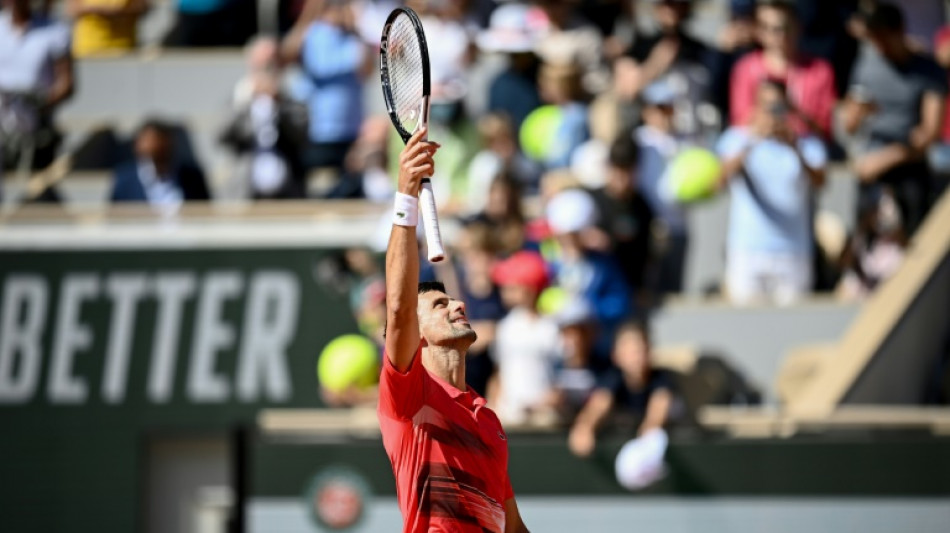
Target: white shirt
x=526 y=349
x=26 y=57
x=161 y=191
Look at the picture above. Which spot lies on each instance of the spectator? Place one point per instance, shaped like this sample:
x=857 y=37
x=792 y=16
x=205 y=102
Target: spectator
x=671 y=53
x=474 y=257
x=632 y=388
x=897 y=102
x=526 y=347
x=104 y=27
x=625 y=215
x=211 y=23
x=366 y=163
x=503 y=216
x=736 y=39
x=659 y=142
x=560 y=86
x=36 y=76
x=876 y=250
x=810 y=81
x=568 y=39
x=574 y=379
x=335 y=62
x=825 y=34
x=514 y=32
x=499 y=156
x=157 y=175
x=448 y=60
x=587 y=273
x=266 y=130
x=771 y=171
x=367 y=292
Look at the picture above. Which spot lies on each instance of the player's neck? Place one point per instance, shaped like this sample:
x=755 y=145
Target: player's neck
x=446 y=362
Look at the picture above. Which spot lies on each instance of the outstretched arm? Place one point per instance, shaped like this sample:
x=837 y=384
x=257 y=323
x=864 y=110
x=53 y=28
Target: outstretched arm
x=402 y=259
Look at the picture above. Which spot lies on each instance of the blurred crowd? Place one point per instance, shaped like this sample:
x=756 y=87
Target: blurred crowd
x=558 y=167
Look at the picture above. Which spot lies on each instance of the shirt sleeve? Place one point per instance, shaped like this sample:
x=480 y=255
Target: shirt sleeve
x=813 y=152
x=731 y=143
x=401 y=394
x=61 y=42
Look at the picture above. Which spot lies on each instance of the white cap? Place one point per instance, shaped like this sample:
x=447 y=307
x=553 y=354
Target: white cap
x=640 y=461
x=512 y=28
x=589 y=163
x=571 y=211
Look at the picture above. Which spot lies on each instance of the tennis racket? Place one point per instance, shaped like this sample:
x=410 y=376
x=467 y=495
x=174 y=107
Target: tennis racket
x=404 y=73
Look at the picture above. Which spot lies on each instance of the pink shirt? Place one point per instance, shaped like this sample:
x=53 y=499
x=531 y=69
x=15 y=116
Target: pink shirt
x=810 y=83
x=939 y=41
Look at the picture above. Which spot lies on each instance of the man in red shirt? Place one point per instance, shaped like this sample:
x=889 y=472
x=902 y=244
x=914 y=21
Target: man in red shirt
x=448 y=450
x=810 y=81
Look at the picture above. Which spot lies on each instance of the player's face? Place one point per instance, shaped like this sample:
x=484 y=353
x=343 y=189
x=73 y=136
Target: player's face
x=442 y=319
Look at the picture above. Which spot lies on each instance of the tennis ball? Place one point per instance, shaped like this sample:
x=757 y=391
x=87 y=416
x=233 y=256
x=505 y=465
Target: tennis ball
x=348 y=361
x=694 y=175
x=538 y=131
x=552 y=300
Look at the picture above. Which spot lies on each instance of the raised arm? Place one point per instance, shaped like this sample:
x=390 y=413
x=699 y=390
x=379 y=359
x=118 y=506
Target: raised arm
x=402 y=259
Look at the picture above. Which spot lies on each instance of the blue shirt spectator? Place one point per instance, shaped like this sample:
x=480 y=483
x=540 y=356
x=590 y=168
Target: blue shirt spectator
x=332 y=59
x=772 y=215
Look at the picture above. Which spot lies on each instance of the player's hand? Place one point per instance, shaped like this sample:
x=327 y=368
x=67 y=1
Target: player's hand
x=416 y=163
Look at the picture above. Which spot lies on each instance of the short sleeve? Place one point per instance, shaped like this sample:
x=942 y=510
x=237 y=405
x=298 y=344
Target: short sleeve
x=60 y=41
x=936 y=78
x=813 y=152
x=401 y=394
x=731 y=143
x=661 y=380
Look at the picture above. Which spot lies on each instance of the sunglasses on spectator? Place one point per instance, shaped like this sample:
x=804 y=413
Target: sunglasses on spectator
x=775 y=29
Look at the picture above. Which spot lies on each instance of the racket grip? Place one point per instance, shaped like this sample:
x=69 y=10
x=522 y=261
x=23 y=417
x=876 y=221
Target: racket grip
x=430 y=222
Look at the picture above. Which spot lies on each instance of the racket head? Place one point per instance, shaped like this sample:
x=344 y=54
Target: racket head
x=404 y=71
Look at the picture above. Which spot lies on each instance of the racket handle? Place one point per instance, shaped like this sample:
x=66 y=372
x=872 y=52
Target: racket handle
x=430 y=222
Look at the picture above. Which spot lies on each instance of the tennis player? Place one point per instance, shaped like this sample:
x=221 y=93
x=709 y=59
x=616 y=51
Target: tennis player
x=448 y=450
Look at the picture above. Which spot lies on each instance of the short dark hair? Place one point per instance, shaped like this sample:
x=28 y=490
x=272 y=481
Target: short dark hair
x=638 y=326
x=624 y=151
x=431 y=286
x=424 y=287
x=156 y=124
x=785 y=6
x=885 y=17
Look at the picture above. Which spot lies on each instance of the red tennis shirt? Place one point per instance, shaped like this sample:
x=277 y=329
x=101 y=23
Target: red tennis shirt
x=449 y=453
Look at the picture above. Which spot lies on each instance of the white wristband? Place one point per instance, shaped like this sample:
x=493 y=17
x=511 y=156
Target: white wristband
x=405 y=210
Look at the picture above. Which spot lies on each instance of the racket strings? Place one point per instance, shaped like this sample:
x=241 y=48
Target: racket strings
x=404 y=60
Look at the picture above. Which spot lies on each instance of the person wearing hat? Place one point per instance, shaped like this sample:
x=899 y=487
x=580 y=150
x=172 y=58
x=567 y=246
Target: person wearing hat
x=659 y=143
x=588 y=273
x=513 y=31
x=526 y=347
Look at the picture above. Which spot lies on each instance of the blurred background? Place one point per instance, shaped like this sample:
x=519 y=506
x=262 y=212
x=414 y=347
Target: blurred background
x=704 y=245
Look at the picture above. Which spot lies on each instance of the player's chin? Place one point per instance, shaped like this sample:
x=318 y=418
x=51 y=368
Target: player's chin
x=464 y=331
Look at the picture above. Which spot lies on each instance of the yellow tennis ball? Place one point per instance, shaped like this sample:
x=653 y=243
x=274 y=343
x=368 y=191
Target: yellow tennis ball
x=538 y=131
x=694 y=175
x=552 y=300
x=348 y=361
